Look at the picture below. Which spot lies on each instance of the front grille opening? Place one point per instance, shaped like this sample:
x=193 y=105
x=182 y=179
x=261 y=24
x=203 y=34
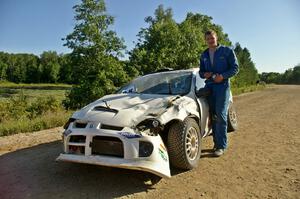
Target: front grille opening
x=110 y=146
x=77 y=138
x=77 y=150
x=110 y=127
x=80 y=125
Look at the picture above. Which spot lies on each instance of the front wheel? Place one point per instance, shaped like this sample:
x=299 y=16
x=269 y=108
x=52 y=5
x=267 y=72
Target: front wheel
x=184 y=144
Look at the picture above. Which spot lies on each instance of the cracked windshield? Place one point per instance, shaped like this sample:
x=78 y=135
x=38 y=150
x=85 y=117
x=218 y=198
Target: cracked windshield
x=160 y=83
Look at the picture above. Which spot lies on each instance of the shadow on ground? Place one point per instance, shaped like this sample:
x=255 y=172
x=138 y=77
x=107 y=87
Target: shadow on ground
x=207 y=153
x=33 y=173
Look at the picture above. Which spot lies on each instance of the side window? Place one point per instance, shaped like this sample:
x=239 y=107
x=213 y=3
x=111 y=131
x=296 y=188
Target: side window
x=199 y=82
x=129 y=88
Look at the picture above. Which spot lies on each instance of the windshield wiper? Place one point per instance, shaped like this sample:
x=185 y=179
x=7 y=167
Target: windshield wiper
x=106 y=104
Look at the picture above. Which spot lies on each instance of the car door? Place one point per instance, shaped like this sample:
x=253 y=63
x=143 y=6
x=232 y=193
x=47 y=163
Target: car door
x=203 y=107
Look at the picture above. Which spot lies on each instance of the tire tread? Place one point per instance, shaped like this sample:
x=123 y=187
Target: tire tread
x=176 y=144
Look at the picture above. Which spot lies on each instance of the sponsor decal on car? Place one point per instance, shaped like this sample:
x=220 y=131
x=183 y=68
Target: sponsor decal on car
x=129 y=135
x=162 y=154
x=162 y=146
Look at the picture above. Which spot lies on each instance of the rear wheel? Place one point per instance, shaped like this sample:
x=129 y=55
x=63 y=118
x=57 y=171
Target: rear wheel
x=184 y=144
x=232 y=123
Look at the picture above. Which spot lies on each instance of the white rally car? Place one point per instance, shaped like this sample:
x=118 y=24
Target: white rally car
x=154 y=121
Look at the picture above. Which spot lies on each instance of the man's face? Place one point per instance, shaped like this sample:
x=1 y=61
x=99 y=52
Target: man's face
x=211 y=40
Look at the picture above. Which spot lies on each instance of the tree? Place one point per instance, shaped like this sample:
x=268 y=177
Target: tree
x=271 y=77
x=290 y=76
x=295 y=79
x=66 y=70
x=158 y=45
x=3 y=66
x=18 y=67
x=15 y=68
x=165 y=43
x=192 y=31
x=95 y=52
x=286 y=76
x=33 y=73
x=248 y=74
x=49 y=67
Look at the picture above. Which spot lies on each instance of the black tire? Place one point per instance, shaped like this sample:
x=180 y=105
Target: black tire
x=182 y=135
x=232 y=122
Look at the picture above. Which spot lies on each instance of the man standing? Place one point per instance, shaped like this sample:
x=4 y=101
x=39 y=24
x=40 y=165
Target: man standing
x=218 y=64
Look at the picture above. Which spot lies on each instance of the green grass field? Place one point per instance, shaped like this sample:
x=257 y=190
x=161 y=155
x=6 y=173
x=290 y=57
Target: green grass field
x=9 y=89
x=4 y=84
x=31 y=107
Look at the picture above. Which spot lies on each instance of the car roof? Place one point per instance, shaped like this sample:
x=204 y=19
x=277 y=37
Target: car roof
x=194 y=70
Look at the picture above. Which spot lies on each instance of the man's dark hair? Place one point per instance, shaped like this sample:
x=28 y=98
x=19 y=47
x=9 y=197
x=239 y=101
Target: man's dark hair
x=210 y=32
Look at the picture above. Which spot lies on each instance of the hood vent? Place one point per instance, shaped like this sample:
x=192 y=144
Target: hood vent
x=105 y=109
x=109 y=127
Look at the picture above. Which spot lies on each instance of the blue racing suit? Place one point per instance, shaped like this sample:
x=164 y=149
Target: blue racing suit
x=225 y=63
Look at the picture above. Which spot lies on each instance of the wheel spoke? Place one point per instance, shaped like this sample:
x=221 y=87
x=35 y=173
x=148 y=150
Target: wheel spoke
x=188 y=147
x=192 y=144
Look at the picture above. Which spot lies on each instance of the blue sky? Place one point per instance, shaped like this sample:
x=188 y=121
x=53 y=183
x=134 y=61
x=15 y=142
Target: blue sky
x=270 y=29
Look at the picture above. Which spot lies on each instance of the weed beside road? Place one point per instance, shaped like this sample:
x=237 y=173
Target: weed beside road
x=31 y=107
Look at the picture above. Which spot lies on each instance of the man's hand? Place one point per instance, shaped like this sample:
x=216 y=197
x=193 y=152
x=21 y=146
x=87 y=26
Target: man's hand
x=208 y=75
x=219 y=78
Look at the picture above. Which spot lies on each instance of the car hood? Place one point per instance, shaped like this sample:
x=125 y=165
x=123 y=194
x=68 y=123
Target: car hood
x=125 y=109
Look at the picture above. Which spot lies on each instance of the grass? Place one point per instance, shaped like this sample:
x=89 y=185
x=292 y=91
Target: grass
x=32 y=91
x=247 y=89
x=45 y=121
x=7 y=93
x=46 y=86
x=31 y=107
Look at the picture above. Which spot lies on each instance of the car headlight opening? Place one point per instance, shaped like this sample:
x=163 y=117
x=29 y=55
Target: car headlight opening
x=149 y=126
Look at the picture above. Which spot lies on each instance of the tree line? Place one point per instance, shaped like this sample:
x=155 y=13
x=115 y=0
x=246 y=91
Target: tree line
x=290 y=76
x=95 y=67
x=49 y=67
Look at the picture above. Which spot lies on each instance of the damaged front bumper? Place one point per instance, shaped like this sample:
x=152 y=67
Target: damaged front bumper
x=115 y=148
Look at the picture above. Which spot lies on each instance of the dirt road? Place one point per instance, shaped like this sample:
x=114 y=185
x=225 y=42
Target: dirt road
x=263 y=161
